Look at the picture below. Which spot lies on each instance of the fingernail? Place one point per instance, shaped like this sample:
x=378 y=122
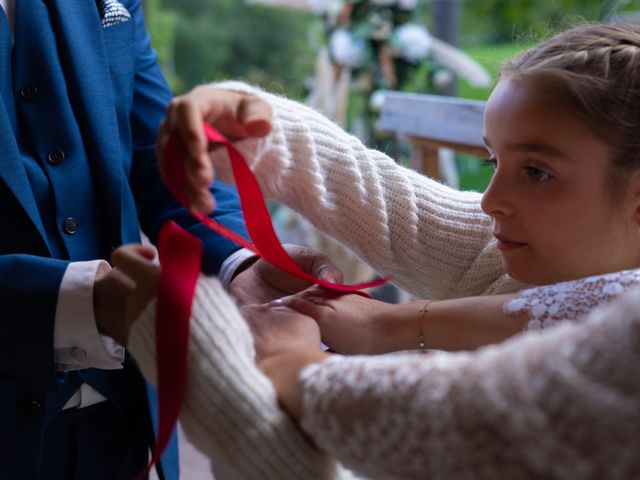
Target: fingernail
x=276 y=303
x=328 y=277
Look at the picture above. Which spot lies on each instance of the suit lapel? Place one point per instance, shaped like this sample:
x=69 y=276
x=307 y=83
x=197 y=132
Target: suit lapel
x=81 y=43
x=12 y=170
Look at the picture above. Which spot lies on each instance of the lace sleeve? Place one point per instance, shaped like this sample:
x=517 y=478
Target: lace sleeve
x=558 y=404
x=549 y=305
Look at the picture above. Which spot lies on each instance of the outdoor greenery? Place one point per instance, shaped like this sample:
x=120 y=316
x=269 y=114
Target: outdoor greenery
x=206 y=40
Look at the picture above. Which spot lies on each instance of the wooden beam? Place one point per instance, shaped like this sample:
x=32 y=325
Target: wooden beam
x=430 y=117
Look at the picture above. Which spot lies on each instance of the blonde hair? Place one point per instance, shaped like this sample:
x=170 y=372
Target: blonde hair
x=596 y=68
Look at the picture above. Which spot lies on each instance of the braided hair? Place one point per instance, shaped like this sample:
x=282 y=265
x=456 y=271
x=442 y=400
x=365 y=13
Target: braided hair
x=595 y=69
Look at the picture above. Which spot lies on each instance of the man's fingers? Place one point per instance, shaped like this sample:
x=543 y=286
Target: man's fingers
x=189 y=124
x=236 y=115
x=330 y=273
x=322 y=268
x=255 y=114
x=136 y=262
x=198 y=193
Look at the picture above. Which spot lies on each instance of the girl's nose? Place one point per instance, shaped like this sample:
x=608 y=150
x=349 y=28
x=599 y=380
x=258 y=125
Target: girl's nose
x=496 y=200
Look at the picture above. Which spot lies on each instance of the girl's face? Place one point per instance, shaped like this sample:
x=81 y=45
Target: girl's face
x=555 y=217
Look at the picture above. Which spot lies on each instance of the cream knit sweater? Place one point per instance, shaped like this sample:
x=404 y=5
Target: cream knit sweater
x=562 y=404
x=433 y=240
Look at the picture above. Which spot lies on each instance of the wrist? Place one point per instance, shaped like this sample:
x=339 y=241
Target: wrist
x=404 y=325
x=283 y=370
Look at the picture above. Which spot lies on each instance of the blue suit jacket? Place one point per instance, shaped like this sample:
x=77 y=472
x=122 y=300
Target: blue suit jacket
x=117 y=96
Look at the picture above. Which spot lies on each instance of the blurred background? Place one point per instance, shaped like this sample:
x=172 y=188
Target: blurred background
x=275 y=43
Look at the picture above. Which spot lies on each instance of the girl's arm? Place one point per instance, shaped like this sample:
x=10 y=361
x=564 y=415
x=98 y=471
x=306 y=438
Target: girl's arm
x=435 y=241
x=353 y=324
x=561 y=404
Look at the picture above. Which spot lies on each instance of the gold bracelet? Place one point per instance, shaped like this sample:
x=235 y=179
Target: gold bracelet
x=422 y=345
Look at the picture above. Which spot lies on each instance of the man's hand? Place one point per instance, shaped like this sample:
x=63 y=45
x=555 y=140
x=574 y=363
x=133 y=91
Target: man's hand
x=235 y=115
x=279 y=329
x=262 y=282
x=121 y=294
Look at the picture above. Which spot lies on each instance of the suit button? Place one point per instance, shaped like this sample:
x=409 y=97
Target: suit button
x=70 y=225
x=55 y=157
x=28 y=92
x=30 y=409
x=78 y=354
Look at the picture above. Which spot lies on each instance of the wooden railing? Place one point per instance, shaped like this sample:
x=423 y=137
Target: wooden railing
x=431 y=122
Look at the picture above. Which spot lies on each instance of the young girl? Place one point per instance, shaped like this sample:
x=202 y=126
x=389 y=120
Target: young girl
x=562 y=129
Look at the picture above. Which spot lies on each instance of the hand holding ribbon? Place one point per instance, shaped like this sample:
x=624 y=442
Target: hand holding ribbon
x=180 y=254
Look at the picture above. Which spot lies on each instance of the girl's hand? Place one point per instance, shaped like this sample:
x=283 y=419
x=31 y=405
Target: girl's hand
x=351 y=323
x=236 y=115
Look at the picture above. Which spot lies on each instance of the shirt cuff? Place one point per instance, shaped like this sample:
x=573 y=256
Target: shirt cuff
x=77 y=343
x=232 y=263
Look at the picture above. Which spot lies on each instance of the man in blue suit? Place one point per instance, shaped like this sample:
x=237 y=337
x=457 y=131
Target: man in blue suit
x=81 y=99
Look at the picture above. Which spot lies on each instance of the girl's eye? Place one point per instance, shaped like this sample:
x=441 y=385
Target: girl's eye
x=534 y=173
x=490 y=162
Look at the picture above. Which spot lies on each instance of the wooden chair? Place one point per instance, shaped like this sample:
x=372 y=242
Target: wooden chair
x=431 y=122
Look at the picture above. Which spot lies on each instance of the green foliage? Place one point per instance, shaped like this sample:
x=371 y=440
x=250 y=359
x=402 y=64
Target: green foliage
x=496 y=21
x=206 y=40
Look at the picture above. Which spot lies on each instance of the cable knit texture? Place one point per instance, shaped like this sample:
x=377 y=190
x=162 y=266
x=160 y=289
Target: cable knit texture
x=434 y=241
x=560 y=404
x=230 y=411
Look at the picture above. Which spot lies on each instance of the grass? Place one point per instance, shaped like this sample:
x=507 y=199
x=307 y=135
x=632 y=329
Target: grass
x=473 y=176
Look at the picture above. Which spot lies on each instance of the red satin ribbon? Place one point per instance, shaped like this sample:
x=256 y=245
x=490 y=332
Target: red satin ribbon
x=180 y=256
x=256 y=215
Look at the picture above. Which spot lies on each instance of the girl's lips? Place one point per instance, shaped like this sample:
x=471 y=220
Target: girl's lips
x=508 y=245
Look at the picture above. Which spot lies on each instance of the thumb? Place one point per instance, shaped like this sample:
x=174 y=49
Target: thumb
x=255 y=115
x=330 y=273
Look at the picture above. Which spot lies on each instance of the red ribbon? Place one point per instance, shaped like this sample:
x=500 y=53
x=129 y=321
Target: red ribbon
x=180 y=256
x=254 y=209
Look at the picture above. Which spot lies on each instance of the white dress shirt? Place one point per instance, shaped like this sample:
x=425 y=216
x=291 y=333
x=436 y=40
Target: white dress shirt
x=76 y=340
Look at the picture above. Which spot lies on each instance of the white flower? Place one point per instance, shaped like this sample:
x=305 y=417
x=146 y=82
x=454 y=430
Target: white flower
x=346 y=49
x=413 y=41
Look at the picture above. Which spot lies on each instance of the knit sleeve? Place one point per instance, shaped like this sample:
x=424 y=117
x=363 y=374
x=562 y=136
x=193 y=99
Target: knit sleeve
x=558 y=404
x=230 y=410
x=433 y=240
